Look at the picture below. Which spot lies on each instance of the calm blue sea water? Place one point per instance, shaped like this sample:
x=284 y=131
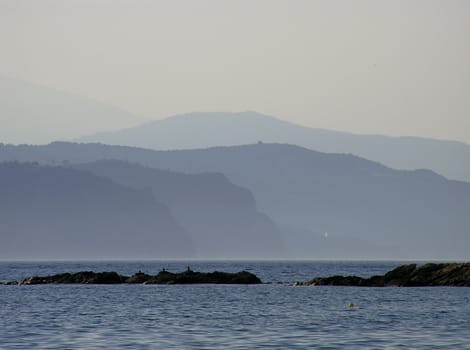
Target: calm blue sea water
x=269 y=316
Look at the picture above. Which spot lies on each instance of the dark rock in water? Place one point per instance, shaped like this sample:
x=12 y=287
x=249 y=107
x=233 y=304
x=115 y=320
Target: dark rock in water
x=444 y=274
x=457 y=274
x=83 y=277
x=163 y=277
x=10 y=283
x=217 y=277
x=398 y=275
x=139 y=277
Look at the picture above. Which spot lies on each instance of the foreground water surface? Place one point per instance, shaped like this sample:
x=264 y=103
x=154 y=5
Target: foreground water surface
x=273 y=315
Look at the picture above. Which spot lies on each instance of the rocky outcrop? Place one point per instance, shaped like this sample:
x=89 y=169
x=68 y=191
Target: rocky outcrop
x=411 y=275
x=163 y=277
x=189 y=276
x=83 y=277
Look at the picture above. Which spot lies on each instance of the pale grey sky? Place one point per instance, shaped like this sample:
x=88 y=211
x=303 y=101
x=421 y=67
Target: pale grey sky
x=396 y=67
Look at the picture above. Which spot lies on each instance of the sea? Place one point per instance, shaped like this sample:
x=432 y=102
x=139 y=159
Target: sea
x=273 y=315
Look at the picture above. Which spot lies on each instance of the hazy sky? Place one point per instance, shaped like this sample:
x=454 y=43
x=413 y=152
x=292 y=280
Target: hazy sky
x=391 y=67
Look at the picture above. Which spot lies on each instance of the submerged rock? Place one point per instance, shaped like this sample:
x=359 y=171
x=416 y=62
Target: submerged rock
x=410 y=275
x=163 y=277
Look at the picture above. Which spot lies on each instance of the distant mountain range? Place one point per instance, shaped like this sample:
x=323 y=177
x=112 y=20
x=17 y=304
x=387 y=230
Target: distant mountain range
x=35 y=114
x=326 y=205
x=56 y=213
x=32 y=113
x=113 y=209
x=202 y=130
x=222 y=218
x=232 y=186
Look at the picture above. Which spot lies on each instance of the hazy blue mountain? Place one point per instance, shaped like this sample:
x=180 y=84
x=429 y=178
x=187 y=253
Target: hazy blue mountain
x=202 y=130
x=397 y=213
x=221 y=217
x=31 y=113
x=58 y=213
x=366 y=209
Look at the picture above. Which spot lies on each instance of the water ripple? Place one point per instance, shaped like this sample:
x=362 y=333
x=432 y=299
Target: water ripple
x=269 y=316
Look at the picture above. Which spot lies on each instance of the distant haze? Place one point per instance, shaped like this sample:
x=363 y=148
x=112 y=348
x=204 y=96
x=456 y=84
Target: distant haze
x=391 y=67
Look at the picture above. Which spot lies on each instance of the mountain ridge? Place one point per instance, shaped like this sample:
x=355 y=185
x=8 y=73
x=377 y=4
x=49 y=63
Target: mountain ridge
x=221 y=217
x=38 y=114
x=204 y=130
x=55 y=212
